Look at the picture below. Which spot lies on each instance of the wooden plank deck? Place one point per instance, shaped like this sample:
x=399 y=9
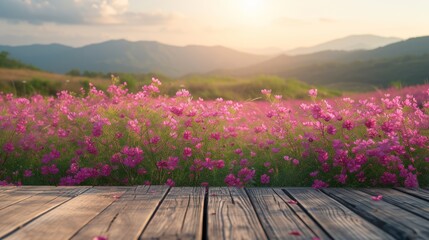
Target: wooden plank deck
x=160 y=212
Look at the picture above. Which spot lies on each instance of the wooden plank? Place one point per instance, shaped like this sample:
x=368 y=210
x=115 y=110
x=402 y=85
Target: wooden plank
x=278 y=217
x=16 y=215
x=7 y=188
x=337 y=220
x=398 y=222
x=64 y=221
x=180 y=215
x=419 y=192
x=402 y=200
x=231 y=215
x=126 y=217
x=8 y=198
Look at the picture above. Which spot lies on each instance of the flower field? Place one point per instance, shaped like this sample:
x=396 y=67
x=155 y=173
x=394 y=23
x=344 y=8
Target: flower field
x=121 y=138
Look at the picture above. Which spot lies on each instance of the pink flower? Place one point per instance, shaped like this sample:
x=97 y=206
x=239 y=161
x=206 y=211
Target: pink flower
x=100 y=238
x=170 y=182
x=312 y=92
x=266 y=92
x=370 y=123
x=331 y=130
x=295 y=233
x=215 y=135
x=155 y=140
x=28 y=173
x=232 y=181
x=187 y=135
x=246 y=174
x=377 y=198
x=8 y=147
x=265 y=179
x=348 y=125
x=317 y=184
x=187 y=152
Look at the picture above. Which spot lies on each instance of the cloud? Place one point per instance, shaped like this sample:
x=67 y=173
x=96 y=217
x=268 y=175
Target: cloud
x=77 y=12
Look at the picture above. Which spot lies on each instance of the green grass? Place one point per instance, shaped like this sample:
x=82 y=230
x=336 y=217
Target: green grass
x=229 y=88
x=28 y=82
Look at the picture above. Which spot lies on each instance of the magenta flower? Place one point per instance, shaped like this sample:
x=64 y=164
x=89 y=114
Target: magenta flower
x=348 y=125
x=187 y=152
x=312 y=92
x=8 y=147
x=170 y=182
x=265 y=179
x=377 y=198
x=100 y=238
x=28 y=173
x=317 y=184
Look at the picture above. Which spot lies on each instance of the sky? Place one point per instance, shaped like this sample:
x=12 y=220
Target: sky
x=242 y=24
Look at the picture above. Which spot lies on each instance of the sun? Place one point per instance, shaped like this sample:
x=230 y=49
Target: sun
x=251 y=12
x=252 y=6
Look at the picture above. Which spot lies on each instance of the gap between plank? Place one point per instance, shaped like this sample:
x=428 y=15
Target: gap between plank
x=373 y=220
x=254 y=209
x=299 y=217
x=205 y=215
x=416 y=195
x=154 y=211
x=40 y=215
x=308 y=214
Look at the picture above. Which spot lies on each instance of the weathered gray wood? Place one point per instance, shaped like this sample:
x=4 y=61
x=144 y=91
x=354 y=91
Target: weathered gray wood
x=336 y=219
x=126 y=217
x=180 y=215
x=231 y=215
x=314 y=226
x=16 y=215
x=65 y=220
x=419 y=192
x=278 y=216
x=394 y=220
x=402 y=200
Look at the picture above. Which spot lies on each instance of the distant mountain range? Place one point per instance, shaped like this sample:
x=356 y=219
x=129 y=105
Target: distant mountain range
x=349 y=43
x=133 y=57
x=405 y=61
x=149 y=56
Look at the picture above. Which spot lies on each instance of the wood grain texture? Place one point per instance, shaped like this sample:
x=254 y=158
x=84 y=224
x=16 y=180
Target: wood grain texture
x=180 y=215
x=398 y=222
x=7 y=188
x=16 y=195
x=230 y=215
x=278 y=217
x=22 y=212
x=127 y=216
x=336 y=219
x=68 y=218
x=419 y=192
x=402 y=200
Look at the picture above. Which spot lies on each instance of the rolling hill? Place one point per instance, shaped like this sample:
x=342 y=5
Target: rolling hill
x=133 y=57
x=349 y=43
x=406 y=62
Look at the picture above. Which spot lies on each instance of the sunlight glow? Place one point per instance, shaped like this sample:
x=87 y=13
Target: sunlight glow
x=252 y=6
x=252 y=12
